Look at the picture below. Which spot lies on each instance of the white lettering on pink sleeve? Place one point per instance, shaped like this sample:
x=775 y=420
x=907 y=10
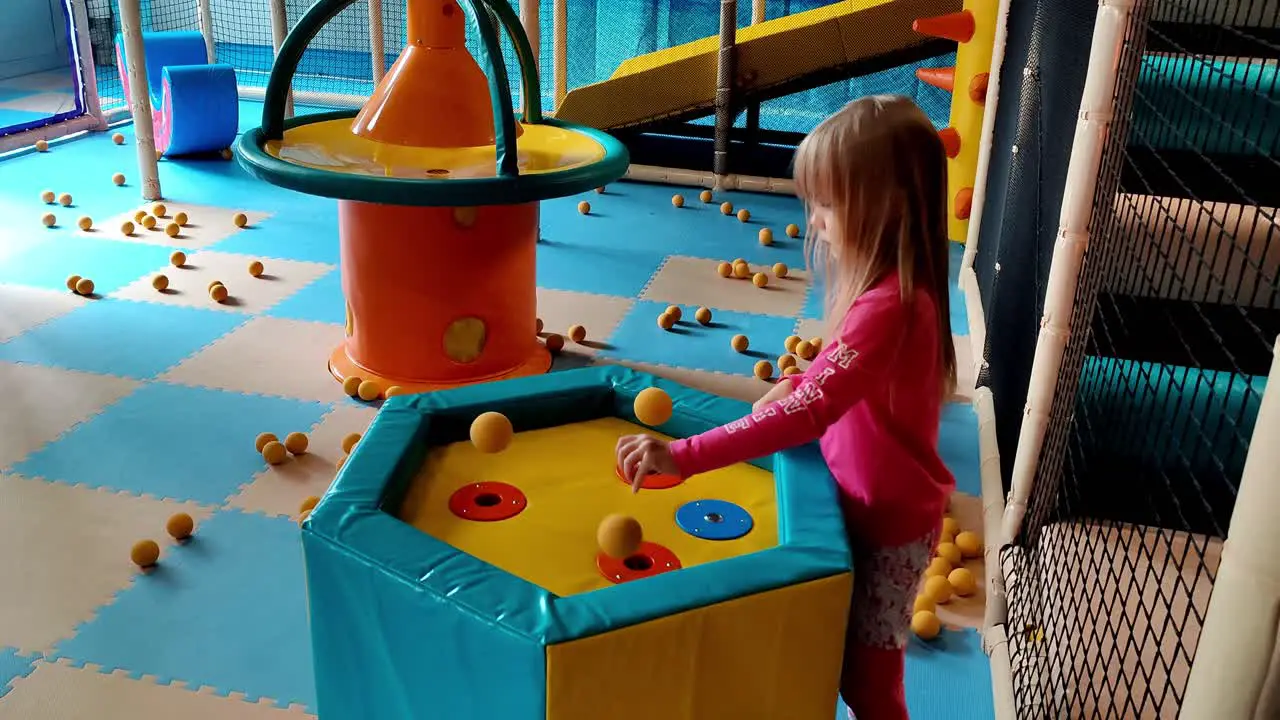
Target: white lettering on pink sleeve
x=842 y=355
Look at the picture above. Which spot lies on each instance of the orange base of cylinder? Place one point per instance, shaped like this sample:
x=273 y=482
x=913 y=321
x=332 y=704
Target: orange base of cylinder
x=341 y=366
x=439 y=297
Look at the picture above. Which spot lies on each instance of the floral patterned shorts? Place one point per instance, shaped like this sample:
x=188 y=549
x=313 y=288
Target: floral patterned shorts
x=885 y=583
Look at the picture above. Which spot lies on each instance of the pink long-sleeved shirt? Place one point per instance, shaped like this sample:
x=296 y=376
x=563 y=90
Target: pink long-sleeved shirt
x=872 y=399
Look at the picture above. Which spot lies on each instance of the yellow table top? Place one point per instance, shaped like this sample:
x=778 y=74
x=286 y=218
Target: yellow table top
x=568 y=475
x=330 y=145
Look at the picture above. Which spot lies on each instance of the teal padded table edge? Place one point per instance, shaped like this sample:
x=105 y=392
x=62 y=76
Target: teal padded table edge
x=352 y=516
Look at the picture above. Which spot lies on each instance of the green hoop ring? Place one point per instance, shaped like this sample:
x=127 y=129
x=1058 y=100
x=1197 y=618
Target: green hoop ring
x=509 y=186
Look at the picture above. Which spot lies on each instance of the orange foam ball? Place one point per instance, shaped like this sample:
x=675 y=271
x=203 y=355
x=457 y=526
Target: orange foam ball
x=145 y=553
x=619 y=536
x=653 y=406
x=491 y=432
x=180 y=526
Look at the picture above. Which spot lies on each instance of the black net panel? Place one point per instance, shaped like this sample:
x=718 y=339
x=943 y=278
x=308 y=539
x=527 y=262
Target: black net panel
x=104 y=24
x=1176 y=312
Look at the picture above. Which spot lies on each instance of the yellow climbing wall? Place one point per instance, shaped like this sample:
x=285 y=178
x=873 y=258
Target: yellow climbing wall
x=973 y=28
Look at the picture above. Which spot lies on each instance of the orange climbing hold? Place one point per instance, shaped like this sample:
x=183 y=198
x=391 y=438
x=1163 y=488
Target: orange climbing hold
x=964 y=203
x=950 y=138
x=978 y=88
x=957 y=26
x=943 y=78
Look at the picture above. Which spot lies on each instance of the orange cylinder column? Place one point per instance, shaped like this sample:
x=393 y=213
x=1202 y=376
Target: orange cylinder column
x=439 y=296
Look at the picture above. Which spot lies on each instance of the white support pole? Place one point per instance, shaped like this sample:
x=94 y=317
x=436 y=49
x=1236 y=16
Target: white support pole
x=279 y=29
x=204 y=13
x=140 y=99
x=1236 y=672
x=1097 y=105
x=560 y=48
x=757 y=12
x=84 y=56
x=377 y=43
x=988 y=132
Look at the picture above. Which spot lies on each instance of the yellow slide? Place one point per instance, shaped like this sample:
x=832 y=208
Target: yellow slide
x=774 y=58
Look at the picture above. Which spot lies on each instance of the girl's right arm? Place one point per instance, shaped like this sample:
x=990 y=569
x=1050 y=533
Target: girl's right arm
x=859 y=359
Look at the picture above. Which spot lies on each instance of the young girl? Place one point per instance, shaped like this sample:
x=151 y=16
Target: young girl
x=873 y=177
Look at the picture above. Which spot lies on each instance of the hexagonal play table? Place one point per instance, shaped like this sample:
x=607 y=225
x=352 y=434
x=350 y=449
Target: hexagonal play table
x=445 y=583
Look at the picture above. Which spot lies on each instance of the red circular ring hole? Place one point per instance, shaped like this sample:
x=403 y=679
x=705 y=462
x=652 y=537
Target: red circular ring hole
x=653 y=482
x=651 y=559
x=487 y=501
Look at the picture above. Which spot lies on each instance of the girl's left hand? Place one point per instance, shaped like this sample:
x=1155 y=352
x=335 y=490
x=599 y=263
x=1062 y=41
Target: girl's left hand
x=640 y=456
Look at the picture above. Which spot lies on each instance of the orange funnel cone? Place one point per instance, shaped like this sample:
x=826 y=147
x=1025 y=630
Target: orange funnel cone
x=950 y=138
x=944 y=78
x=957 y=26
x=435 y=95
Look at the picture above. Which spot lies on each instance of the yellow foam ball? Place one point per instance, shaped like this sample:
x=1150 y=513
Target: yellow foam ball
x=950 y=552
x=85 y=286
x=724 y=269
x=786 y=361
x=619 y=536
x=703 y=316
x=178 y=258
x=924 y=603
x=218 y=293
x=71 y=282
x=491 y=432
x=180 y=526
x=962 y=582
x=666 y=321
x=763 y=370
x=393 y=391
x=705 y=196
x=137 y=217
x=126 y=228
x=584 y=207
x=766 y=236
x=180 y=218
x=677 y=200
x=793 y=370
x=351 y=386
x=49 y=219
x=969 y=544
x=926 y=625
x=149 y=222
x=780 y=270
x=744 y=215
x=938 y=588
x=741 y=269
x=240 y=220
x=726 y=208
x=47 y=197
x=42 y=146
x=577 y=333
x=145 y=553
x=793 y=230
x=274 y=452
x=159 y=210
x=117 y=138
x=675 y=311
x=805 y=350
x=262 y=440
x=173 y=229
x=938 y=567
x=296 y=443
x=349 y=442
x=160 y=282
x=256 y=268
x=791 y=342
x=950 y=526
x=118 y=178
x=368 y=391
x=309 y=504
x=739 y=343
x=760 y=280
x=652 y=406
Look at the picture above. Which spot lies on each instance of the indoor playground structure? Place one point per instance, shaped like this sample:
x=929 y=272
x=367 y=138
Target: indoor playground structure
x=324 y=424
x=464 y=184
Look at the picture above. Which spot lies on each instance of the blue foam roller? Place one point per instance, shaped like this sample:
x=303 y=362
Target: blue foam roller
x=201 y=107
x=167 y=48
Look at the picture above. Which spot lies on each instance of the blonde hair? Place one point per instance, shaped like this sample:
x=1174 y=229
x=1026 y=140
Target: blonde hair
x=879 y=165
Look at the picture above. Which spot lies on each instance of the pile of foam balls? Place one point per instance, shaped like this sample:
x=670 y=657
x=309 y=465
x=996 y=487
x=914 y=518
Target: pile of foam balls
x=946 y=577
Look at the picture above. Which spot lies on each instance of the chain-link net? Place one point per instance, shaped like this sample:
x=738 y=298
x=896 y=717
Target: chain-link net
x=1175 y=314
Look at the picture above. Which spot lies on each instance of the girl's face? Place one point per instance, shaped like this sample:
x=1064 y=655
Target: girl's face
x=825 y=224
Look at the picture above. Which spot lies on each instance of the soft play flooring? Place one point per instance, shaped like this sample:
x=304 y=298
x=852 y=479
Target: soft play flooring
x=31 y=99
x=125 y=407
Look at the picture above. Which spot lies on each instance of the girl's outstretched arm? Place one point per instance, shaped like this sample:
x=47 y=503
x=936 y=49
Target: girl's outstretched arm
x=856 y=361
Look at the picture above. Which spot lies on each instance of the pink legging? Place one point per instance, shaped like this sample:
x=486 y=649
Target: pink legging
x=886 y=580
